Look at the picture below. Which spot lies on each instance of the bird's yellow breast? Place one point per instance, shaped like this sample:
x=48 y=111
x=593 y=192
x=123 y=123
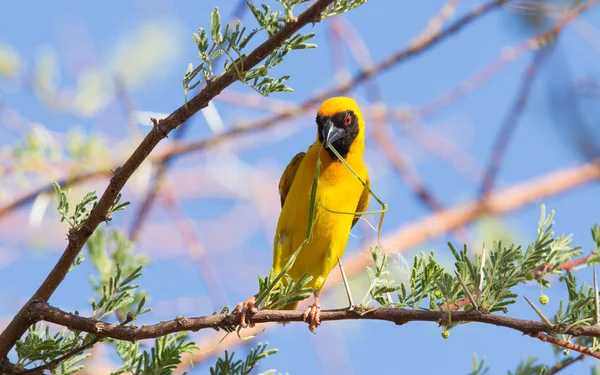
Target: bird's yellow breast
x=338 y=190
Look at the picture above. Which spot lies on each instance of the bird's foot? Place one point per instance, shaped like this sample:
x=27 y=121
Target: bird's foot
x=312 y=314
x=247 y=309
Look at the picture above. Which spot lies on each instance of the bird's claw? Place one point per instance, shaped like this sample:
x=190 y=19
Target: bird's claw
x=247 y=309
x=312 y=314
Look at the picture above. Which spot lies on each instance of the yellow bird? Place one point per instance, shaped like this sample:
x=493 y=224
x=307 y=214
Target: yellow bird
x=340 y=123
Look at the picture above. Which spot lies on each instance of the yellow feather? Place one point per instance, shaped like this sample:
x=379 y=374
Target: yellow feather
x=338 y=190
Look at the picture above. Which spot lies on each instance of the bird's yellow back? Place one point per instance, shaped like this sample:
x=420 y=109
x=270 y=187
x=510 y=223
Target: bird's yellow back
x=338 y=190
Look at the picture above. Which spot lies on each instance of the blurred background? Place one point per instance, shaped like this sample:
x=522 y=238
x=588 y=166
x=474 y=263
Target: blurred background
x=80 y=80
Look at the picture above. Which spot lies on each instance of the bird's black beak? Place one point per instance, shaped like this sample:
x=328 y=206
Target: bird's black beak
x=331 y=133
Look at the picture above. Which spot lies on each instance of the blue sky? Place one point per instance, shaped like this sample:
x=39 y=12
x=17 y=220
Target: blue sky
x=150 y=42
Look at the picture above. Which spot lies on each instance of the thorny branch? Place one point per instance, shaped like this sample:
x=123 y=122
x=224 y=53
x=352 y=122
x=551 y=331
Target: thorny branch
x=17 y=327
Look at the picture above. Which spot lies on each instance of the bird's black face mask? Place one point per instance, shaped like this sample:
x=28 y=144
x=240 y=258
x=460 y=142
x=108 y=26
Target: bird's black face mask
x=339 y=130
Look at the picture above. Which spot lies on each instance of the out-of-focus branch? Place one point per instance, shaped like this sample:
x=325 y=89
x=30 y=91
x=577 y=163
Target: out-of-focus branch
x=409 y=176
x=564 y=364
x=437 y=21
x=195 y=249
x=70 y=181
x=77 y=238
x=510 y=123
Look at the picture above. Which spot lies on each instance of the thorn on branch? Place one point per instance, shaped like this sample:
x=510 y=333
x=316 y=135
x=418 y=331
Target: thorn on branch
x=157 y=124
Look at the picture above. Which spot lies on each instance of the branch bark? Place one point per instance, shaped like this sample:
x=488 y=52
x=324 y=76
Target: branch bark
x=17 y=327
x=40 y=310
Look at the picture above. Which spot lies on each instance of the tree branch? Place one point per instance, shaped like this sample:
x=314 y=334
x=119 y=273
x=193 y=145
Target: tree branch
x=564 y=364
x=17 y=327
x=565 y=344
x=40 y=310
x=54 y=363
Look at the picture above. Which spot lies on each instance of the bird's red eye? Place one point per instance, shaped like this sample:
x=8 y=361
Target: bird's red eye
x=348 y=120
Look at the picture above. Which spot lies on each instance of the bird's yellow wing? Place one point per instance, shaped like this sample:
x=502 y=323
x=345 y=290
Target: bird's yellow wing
x=363 y=202
x=288 y=176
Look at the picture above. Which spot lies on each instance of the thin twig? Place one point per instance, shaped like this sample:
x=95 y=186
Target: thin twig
x=539 y=312
x=481 y=267
x=466 y=290
x=412 y=180
x=346 y=284
x=596 y=302
x=565 y=344
x=564 y=364
x=195 y=249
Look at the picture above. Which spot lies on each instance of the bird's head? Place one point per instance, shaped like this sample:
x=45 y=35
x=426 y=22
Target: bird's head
x=340 y=122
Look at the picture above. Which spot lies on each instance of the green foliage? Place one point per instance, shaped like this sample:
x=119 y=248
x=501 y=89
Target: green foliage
x=82 y=209
x=118 y=295
x=427 y=276
x=342 y=6
x=229 y=366
x=595 y=257
x=40 y=347
x=508 y=266
x=232 y=41
x=112 y=255
x=489 y=278
x=479 y=367
x=379 y=285
x=161 y=359
x=580 y=305
x=529 y=367
x=285 y=292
